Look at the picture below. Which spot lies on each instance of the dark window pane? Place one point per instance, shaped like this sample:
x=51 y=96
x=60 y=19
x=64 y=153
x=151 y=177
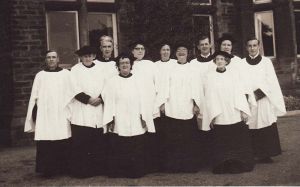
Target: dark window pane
x=264 y=28
x=202 y=26
x=99 y=24
x=62 y=35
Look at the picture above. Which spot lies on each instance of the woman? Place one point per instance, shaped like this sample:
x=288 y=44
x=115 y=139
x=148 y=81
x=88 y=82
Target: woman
x=227 y=110
x=52 y=90
x=146 y=72
x=180 y=103
x=225 y=44
x=125 y=115
x=89 y=141
x=164 y=66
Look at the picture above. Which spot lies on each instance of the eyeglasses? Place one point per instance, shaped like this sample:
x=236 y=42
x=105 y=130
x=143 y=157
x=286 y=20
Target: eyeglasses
x=139 y=48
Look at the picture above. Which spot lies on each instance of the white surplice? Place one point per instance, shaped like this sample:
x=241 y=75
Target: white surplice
x=91 y=82
x=146 y=72
x=225 y=99
x=51 y=92
x=181 y=93
x=262 y=76
x=123 y=104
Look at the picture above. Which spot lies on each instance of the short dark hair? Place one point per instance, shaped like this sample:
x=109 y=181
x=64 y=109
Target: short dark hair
x=50 y=51
x=122 y=56
x=203 y=37
x=252 y=38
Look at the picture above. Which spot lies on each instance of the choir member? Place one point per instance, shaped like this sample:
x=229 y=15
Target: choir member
x=260 y=78
x=226 y=113
x=89 y=142
x=180 y=104
x=146 y=72
x=47 y=116
x=126 y=116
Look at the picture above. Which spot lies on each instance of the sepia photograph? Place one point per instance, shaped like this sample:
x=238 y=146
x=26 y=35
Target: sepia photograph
x=149 y=93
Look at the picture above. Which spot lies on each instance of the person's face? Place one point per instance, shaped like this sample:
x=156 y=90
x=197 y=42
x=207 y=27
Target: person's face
x=106 y=48
x=181 y=54
x=165 y=52
x=220 y=62
x=139 y=52
x=88 y=58
x=124 y=66
x=52 y=60
x=252 y=47
x=226 y=46
x=204 y=46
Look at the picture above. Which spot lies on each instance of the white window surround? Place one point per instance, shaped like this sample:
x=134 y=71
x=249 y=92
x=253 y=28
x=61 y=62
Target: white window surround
x=261 y=1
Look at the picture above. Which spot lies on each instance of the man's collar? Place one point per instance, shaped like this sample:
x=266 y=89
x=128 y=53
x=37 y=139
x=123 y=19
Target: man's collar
x=254 y=56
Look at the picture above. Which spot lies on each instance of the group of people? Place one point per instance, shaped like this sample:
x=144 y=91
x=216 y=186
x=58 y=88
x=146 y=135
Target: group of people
x=127 y=116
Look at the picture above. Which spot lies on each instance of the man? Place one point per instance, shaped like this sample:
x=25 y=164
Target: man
x=52 y=90
x=260 y=78
x=106 y=48
x=201 y=66
x=106 y=58
x=203 y=63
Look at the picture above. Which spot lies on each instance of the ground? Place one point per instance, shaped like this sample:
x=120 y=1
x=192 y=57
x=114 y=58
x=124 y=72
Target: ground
x=17 y=168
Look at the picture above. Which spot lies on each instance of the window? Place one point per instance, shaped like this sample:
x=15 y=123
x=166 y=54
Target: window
x=63 y=32
x=62 y=35
x=202 y=25
x=261 y=1
x=264 y=31
x=102 y=24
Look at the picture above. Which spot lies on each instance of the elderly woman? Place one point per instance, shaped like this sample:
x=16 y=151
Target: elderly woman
x=180 y=105
x=127 y=120
x=227 y=111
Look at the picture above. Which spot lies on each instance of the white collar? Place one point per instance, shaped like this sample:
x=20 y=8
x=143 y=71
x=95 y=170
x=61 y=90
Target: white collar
x=205 y=56
x=254 y=56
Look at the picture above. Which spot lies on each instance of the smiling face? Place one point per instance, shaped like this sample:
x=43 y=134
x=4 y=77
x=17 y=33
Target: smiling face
x=181 y=54
x=138 y=51
x=204 y=46
x=221 y=62
x=124 y=66
x=165 y=52
x=253 y=47
x=226 y=46
x=52 y=60
x=87 y=59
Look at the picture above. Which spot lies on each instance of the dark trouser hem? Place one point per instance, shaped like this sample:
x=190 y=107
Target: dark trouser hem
x=180 y=144
x=266 y=142
x=126 y=156
x=88 y=152
x=52 y=157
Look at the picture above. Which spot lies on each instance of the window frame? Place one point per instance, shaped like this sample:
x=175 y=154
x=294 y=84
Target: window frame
x=262 y=1
x=256 y=31
x=115 y=29
x=64 y=65
x=211 y=32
